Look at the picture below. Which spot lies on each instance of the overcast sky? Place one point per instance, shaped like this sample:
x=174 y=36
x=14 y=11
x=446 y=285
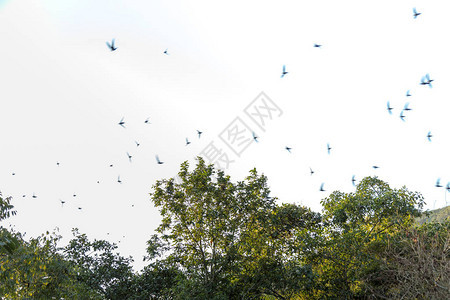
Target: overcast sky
x=63 y=93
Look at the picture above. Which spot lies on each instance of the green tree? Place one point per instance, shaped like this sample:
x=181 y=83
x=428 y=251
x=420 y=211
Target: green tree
x=35 y=270
x=99 y=267
x=8 y=242
x=227 y=237
x=356 y=229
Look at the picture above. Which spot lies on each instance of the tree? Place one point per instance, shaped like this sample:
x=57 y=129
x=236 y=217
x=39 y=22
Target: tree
x=35 y=270
x=356 y=229
x=415 y=264
x=8 y=242
x=98 y=267
x=227 y=237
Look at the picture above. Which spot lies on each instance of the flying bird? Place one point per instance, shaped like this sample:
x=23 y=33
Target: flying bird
x=288 y=149
x=311 y=171
x=389 y=108
x=429 y=136
x=129 y=156
x=74 y=195
x=328 y=148
x=118 y=179
x=426 y=80
x=317 y=45
x=62 y=202
x=353 y=180
x=199 y=133
x=111 y=46
x=408 y=94
x=255 y=138
x=448 y=187
x=187 y=142
x=284 y=71
x=402 y=116
x=122 y=123
x=415 y=13
x=158 y=161
x=406 y=107
x=79 y=208
x=13 y=174
x=147 y=121
x=57 y=163
x=438 y=183
x=165 y=52
x=110 y=166
x=34 y=196
x=321 y=187
x=137 y=143
x=375 y=167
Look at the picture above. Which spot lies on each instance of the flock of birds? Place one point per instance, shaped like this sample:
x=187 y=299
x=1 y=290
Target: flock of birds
x=425 y=81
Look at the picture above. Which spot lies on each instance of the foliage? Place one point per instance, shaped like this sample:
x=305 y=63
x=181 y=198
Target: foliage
x=220 y=239
x=416 y=264
x=98 y=267
x=356 y=228
x=227 y=237
x=36 y=271
x=8 y=242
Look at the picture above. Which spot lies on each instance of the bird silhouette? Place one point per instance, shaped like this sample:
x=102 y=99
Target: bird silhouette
x=408 y=94
x=321 y=187
x=110 y=166
x=57 y=163
x=199 y=133
x=62 y=202
x=328 y=148
x=353 y=180
x=402 y=116
x=288 y=149
x=187 y=142
x=375 y=167
x=415 y=13
x=129 y=156
x=122 y=123
x=311 y=171
x=389 y=108
x=111 y=46
x=13 y=173
x=79 y=208
x=429 y=136
x=118 y=179
x=284 y=71
x=438 y=183
x=426 y=80
x=165 y=52
x=406 y=107
x=317 y=45
x=74 y=195
x=147 y=121
x=255 y=138
x=158 y=161
x=34 y=196
x=448 y=187
x=137 y=143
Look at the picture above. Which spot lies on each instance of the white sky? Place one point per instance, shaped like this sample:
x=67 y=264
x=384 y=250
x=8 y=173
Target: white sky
x=63 y=92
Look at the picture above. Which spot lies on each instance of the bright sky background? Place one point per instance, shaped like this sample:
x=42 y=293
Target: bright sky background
x=63 y=93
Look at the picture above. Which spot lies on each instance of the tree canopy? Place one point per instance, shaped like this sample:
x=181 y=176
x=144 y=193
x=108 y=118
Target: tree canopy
x=220 y=239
